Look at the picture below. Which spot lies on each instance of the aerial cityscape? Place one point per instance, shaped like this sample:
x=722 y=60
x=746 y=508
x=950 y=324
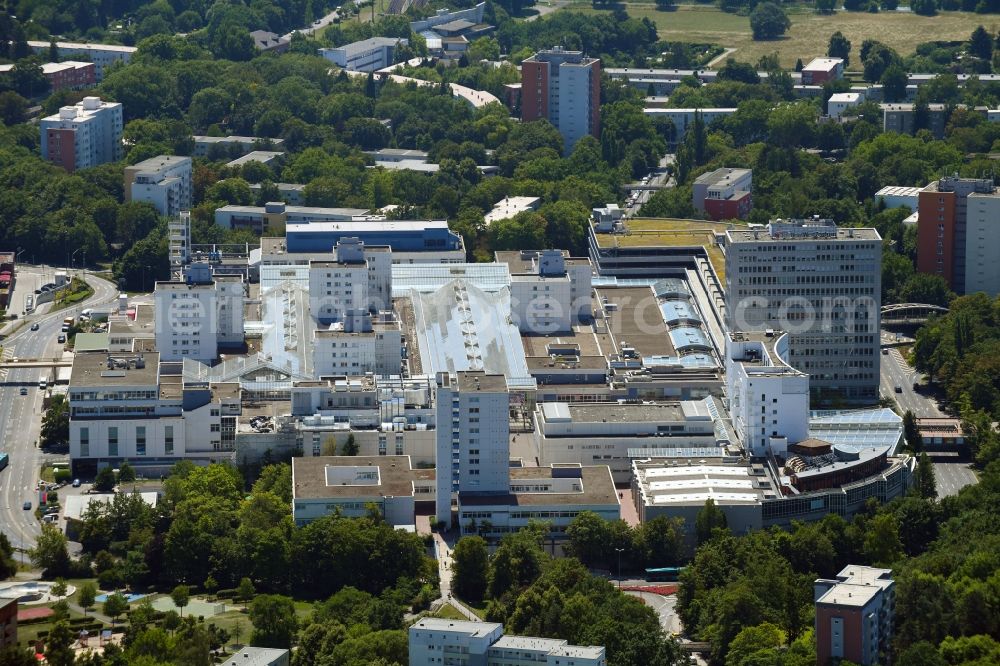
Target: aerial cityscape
x=502 y=333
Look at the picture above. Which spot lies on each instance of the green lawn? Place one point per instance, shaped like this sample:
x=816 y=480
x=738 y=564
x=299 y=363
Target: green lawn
x=448 y=612
x=77 y=292
x=810 y=32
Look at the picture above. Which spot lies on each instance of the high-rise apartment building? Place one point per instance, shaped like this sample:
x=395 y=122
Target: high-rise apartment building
x=958 y=233
x=164 y=181
x=822 y=285
x=854 y=613
x=193 y=317
x=563 y=87
x=84 y=135
x=473 y=437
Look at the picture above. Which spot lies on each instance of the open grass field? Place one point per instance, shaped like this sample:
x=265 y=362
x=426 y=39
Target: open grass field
x=810 y=32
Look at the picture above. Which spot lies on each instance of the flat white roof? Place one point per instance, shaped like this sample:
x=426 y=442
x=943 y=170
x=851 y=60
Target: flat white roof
x=898 y=191
x=846 y=97
x=823 y=64
x=85 y=47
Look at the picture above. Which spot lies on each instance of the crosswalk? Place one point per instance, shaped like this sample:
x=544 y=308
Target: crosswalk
x=7 y=355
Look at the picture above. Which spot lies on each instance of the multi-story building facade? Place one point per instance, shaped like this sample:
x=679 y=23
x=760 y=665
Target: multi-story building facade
x=723 y=194
x=473 y=437
x=563 y=87
x=549 y=290
x=84 y=135
x=359 y=279
x=435 y=641
x=768 y=398
x=854 y=614
x=164 y=181
x=368 y=55
x=958 y=233
x=122 y=407
x=822 y=285
x=821 y=70
x=68 y=75
x=273 y=216
x=195 y=316
x=684 y=119
x=102 y=55
x=206 y=146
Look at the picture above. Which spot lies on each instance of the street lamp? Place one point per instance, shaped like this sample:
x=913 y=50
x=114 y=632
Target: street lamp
x=619 y=551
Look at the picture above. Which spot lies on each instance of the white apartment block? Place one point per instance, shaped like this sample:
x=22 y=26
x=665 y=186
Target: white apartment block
x=385 y=415
x=357 y=344
x=768 y=398
x=102 y=55
x=982 y=244
x=123 y=408
x=822 y=285
x=435 y=641
x=683 y=119
x=367 y=55
x=84 y=135
x=359 y=279
x=238 y=144
x=549 y=291
x=164 y=181
x=473 y=436
x=841 y=102
x=195 y=316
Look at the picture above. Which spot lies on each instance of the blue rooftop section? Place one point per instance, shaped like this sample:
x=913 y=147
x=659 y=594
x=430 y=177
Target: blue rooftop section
x=688 y=338
x=400 y=235
x=676 y=312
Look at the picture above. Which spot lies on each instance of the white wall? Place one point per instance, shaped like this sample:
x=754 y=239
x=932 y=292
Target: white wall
x=982 y=245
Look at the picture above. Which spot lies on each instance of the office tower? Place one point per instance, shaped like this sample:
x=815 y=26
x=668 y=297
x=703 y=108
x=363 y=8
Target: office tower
x=822 y=285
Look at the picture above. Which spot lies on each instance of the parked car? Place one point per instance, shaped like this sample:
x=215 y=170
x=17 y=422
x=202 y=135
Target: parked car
x=61 y=338
x=76 y=483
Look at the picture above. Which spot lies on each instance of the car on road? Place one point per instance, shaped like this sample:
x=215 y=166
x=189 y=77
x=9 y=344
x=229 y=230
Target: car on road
x=76 y=483
x=899 y=389
x=34 y=326
x=27 y=506
x=885 y=352
x=24 y=390
x=61 y=338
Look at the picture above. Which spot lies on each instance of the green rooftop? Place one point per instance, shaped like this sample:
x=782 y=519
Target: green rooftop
x=84 y=342
x=665 y=232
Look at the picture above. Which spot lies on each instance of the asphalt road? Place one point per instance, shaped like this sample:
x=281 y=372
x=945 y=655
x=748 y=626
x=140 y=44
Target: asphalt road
x=319 y=24
x=895 y=372
x=952 y=469
x=20 y=415
x=660 y=176
x=952 y=472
